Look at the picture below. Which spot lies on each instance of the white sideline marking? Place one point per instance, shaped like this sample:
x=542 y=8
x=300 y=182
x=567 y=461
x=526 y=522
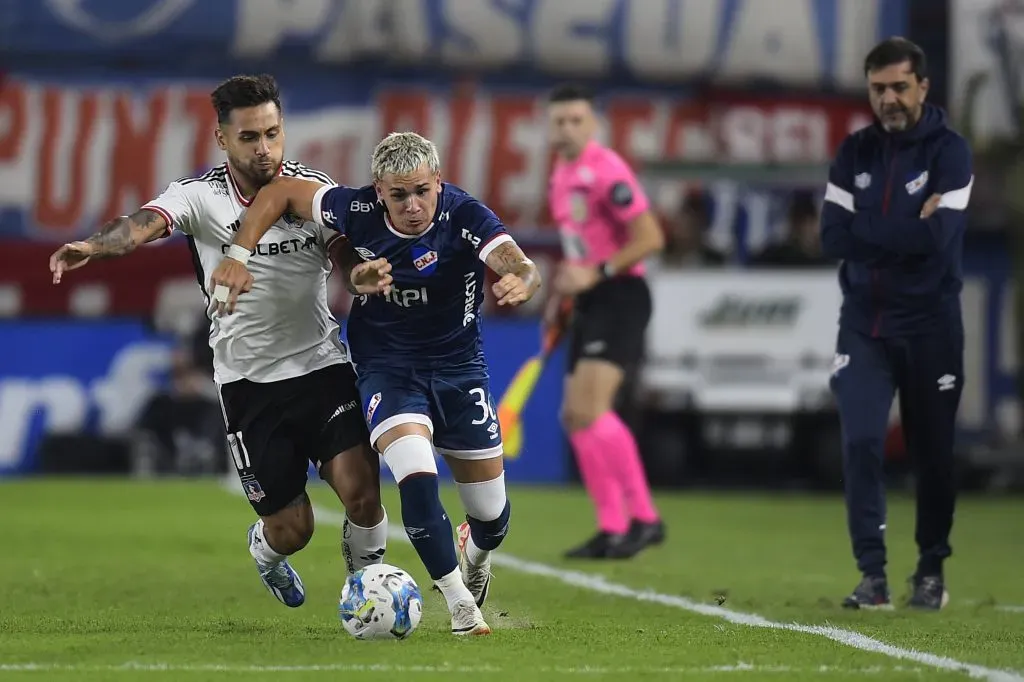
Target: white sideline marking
x=1009 y=608
x=412 y=669
x=597 y=583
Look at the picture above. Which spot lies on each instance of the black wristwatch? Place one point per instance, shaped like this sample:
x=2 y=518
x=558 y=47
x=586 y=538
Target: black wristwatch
x=606 y=270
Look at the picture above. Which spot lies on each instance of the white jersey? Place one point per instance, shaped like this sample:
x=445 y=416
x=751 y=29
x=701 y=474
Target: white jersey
x=283 y=327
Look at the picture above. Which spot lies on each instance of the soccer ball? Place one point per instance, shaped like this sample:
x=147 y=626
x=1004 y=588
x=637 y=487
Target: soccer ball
x=380 y=602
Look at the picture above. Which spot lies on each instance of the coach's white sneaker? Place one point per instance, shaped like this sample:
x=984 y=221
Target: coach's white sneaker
x=281 y=580
x=467 y=619
x=476 y=576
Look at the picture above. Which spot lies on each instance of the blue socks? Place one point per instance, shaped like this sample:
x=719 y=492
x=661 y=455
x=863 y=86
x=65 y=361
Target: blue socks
x=427 y=524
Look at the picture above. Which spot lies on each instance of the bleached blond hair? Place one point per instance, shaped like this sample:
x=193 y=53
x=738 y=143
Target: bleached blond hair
x=402 y=154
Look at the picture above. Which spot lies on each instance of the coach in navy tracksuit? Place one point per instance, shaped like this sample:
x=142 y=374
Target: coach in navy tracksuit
x=894 y=213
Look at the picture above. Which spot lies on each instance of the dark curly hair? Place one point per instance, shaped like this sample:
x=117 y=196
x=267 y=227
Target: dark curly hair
x=240 y=92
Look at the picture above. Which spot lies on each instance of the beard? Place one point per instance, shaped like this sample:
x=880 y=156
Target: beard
x=896 y=118
x=257 y=173
x=262 y=174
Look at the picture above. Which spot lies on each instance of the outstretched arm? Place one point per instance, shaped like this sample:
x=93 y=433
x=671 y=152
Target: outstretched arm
x=519 y=278
x=282 y=195
x=117 y=237
x=122 y=235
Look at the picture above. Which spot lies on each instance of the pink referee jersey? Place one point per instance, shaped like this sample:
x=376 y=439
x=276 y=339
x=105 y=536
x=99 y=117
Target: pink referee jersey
x=593 y=198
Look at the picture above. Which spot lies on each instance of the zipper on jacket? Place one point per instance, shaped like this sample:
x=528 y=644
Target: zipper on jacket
x=888 y=182
x=876 y=294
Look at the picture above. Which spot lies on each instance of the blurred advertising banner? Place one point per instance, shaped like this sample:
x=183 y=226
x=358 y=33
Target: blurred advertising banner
x=743 y=340
x=67 y=377
x=725 y=334
x=765 y=341
x=76 y=152
x=83 y=377
x=798 y=43
x=987 y=60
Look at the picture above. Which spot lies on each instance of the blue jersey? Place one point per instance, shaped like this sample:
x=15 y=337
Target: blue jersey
x=432 y=315
x=901 y=274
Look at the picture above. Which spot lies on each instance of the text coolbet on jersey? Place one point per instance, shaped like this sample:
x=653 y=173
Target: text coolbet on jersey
x=269 y=337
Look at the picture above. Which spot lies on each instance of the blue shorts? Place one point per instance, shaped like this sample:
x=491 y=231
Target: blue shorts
x=454 y=403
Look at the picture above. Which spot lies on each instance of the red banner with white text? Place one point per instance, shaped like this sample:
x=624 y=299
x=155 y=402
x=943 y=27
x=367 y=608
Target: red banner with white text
x=72 y=157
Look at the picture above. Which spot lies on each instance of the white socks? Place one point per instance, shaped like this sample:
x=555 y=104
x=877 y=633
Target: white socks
x=453 y=589
x=474 y=554
x=362 y=547
x=261 y=550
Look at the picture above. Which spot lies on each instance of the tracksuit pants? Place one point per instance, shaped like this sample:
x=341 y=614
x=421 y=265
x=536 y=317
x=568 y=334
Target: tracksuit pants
x=926 y=372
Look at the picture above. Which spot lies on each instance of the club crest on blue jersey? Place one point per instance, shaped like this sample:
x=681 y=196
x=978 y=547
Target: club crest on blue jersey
x=917 y=183
x=424 y=259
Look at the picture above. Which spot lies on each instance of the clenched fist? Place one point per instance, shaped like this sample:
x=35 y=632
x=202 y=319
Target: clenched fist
x=372 y=277
x=511 y=290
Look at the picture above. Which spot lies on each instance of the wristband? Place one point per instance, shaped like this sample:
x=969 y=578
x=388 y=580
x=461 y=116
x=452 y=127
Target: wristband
x=239 y=253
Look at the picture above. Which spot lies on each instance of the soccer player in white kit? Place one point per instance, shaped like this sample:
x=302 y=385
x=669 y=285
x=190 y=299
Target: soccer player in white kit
x=286 y=384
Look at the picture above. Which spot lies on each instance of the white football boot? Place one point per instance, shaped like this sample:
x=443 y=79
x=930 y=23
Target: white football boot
x=467 y=619
x=476 y=577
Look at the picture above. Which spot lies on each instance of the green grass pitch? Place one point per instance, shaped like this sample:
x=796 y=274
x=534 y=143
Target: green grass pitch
x=123 y=580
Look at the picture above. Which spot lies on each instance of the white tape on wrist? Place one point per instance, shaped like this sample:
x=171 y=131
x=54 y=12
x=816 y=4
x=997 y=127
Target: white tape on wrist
x=220 y=293
x=239 y=253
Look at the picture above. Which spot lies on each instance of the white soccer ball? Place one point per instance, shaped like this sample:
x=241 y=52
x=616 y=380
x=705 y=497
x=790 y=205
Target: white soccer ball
x=380 y=602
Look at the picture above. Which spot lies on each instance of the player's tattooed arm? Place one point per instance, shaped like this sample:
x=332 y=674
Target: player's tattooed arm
x=519 y=278
x=118 y=237
x=122 y=235
x=509 y=259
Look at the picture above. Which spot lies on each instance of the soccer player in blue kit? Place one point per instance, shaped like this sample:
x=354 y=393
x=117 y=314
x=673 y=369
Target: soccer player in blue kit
x=417 y=345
